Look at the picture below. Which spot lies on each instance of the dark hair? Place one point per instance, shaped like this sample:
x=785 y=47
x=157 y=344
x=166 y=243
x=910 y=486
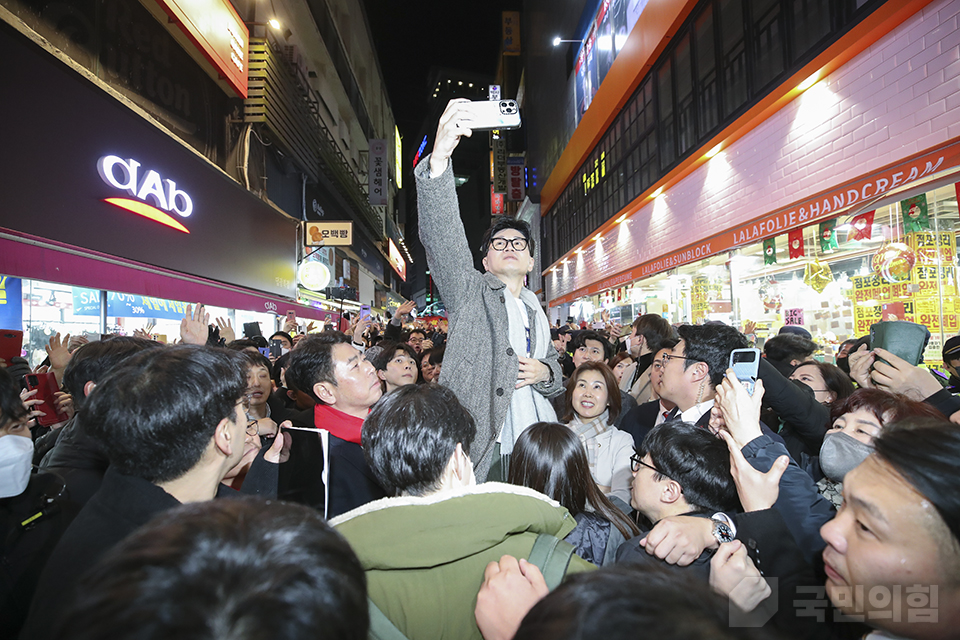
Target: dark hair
x=654 y=329
x=389 y=351
x=251 y=359
x=589 y=334
x=246 y=343
x=925 y=452
x=436 y=354
x=506 y=222
x=879 y=403
x=834 y=378
x=410 y=435
x=93 y=360
x=239 y=569
x=626 y=602
x=613 y=390
x=617 y=359
x=413 y=331
x=283 y=334
x=786 y=347
x=155 y=415
x=548 y=457
x=311 y=361
x=11 y=406
x=279 y=365
x=695 y=459
x=711 y=344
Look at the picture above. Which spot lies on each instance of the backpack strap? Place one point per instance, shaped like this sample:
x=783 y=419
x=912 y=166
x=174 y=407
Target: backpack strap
x=552 y=557
x=380 y=626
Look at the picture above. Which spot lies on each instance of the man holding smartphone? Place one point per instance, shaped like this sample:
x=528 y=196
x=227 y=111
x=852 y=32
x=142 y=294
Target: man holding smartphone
x=489 y=313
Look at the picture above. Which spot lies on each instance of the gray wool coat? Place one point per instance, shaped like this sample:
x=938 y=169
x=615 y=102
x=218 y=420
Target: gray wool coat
x=479 y=364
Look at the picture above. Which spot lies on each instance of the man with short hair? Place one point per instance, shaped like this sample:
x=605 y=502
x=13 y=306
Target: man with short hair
x=172 y=424
x=680 y=469
x=415 y=339
x=344 y=386
x=71 y=453
x=695 y=366
x=425 y=549
x=641 y=419
x=951 y=362
x=647 y=336
x=242 y=569
x=499 y=360
x=787 y=351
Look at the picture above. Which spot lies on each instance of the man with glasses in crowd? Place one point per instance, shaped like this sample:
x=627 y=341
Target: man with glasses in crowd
x=499 y=359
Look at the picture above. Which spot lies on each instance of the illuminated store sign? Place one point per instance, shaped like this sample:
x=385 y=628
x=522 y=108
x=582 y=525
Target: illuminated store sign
x=213 y=33
x=125 y=175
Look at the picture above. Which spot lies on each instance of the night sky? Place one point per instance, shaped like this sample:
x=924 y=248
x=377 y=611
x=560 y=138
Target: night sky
x=411 y=37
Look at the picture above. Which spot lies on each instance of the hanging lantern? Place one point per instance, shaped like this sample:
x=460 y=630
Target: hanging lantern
x=894 y=262
x=817 y=275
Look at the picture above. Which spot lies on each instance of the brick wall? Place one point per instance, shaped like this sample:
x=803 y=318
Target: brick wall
x=897 y=98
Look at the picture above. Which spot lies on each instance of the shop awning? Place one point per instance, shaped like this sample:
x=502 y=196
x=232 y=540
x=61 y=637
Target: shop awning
x=26 y=256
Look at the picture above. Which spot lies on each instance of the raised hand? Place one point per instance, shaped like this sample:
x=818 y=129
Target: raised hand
x=757 y=490
x=740 y=410
x=193 y=327
x=226 y=330
x=453 y=124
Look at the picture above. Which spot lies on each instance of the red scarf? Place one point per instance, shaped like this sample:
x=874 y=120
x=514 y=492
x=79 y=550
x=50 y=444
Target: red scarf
x=338 y=423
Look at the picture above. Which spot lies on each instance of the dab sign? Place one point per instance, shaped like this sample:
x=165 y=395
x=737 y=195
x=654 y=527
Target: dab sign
x=166 y=198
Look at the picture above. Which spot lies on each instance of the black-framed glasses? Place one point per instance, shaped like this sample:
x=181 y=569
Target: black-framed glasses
x=518 y=244
x=253 y=428
x=669 y=356
x=636 y=461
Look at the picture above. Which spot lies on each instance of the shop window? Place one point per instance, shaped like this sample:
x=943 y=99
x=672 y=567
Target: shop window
x=686 y=117
x=724 y=58
x=667 y=124
x=768 y=42
x=706 y=71
x=809 y=23
x=733 y=58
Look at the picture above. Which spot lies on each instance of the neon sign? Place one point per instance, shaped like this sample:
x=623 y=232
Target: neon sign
x=123 y=174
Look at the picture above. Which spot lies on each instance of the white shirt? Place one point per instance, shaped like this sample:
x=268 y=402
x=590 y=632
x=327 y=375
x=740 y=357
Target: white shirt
x=696 y=412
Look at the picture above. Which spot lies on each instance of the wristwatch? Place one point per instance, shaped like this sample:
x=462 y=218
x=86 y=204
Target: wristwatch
x=722 y=531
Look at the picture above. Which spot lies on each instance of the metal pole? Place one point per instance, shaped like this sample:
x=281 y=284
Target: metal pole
x=103 y=311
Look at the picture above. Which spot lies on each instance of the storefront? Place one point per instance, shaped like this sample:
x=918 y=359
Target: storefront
x=108 y=222
x=833 y=211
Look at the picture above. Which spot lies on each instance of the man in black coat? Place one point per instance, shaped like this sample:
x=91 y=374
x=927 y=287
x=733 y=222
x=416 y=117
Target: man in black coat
x=172 y=424
x=344 y=386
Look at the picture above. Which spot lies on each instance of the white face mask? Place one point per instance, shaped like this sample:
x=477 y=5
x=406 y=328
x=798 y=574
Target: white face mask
x=16 y=460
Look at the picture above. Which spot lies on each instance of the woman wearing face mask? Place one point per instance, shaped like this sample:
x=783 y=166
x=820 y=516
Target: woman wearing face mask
x=857 y=421
x=798 y=407
x=36 y=500
x=592 y=405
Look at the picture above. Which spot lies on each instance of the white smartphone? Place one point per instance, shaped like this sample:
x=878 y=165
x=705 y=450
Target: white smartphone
x=494 y=114
x=746 y=366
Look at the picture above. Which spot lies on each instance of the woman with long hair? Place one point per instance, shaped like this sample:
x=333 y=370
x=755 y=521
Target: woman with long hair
x=592 y=405
x=549 y=458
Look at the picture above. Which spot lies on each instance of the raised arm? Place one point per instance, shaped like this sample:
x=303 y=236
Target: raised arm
x=441 y=230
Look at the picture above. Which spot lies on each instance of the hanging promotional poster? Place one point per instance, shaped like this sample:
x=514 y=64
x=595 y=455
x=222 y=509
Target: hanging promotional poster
x=602 y=42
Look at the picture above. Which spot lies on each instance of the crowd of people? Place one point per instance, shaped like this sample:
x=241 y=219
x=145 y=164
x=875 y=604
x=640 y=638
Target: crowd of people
x=497 y=479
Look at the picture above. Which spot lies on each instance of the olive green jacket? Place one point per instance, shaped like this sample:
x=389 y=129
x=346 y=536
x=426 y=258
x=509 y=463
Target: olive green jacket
x=424 y=557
